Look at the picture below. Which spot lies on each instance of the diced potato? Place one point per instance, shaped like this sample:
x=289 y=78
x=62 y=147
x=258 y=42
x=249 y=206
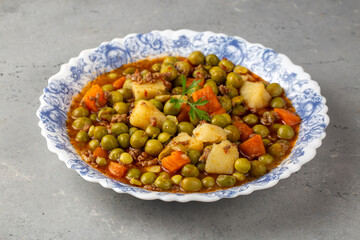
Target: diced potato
x=222 y=157
x=188 y=141
x=255 y=94
x=142 y=114
x=209 y=133
x=147 y=90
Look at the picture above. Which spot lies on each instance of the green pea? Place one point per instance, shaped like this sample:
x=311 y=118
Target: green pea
x=285 y=132
x=219 y=120
x=185 y=127
x=234 y=80
x=82 y=136
x=170 y=109
x=156 y=67
x=200 y=73
x=227 y=117
x=136 y=182
x=170 y=70
x=116 y=97
x=276 y=150
x=157 y=104
x=177 y=90
x=189 y=170
x=106 y=113
x=100 y=132
x=194 y=156
x=266 y=142
x=153 y=147
x=121 y=107
x=240 y=69
x=93 y=117
x=129 y=70
x=112 y=75
x=225 y=102
x=183 y=67
x=257 y=168
x=239 y=176
x=233 y=133
x=239 y=110
x=277 y=102
x=227 y=65
x=80 y=112
x=233 y=92
x=191 y=184
x=164 y=137
x=133 y=173
x=148 y=178
x=237 y=100
x=169 y=126
x=176 y=179
x=226 y=180
x=218 y=75
x=126 y=158
x=126 y=92
x=119 y=128
x=275 y=127
x=93 y=144
x=101 y=161
x=170 y=60
x=274 y=89
x=177 y=81
x=132 y=130
x=163 y=182
x=250 y=119
x=164 y=175
x=212 y=60
x=207 y=67
x=194 y=121
x=115 y=154
x=208 y=182
x=152 y=132
x=107 y=87
x=262 y=130
x=124 y=140
x=91 y=131
x=266 y=158
x=109 y=142
x=201 y=166
x=163 y=97
x=79 y=123
x=144 y=73
x=138 y=139
x=242 y=165
x=212 y=84
x=196 y=58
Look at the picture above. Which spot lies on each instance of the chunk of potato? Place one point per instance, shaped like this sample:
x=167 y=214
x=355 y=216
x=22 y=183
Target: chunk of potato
x=209 y=133
x=143 y=112
x=147 y=90
x=255 y=94
x=221 y=158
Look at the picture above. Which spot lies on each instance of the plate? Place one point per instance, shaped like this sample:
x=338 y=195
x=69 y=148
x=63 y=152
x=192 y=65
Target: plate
x=303 y=92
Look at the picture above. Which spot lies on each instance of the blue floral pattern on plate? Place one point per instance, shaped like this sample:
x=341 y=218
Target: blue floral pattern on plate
x=273 y=67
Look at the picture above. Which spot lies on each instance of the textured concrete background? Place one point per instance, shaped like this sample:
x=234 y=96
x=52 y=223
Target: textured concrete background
x=41 y=199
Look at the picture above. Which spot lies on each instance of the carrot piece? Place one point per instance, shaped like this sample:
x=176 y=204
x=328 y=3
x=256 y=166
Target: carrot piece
x=90 y=98
x=190 y=80
x=175 y=161
x=253 y=147
x=184 y=113
x=288 y=117
x=245 y=130
x=207 y=93
x=117 y=169
x=100 y=152
x=219 y=111
x=119 y=83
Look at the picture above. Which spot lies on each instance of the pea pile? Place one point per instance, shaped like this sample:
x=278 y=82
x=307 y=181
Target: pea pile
x=178 y=124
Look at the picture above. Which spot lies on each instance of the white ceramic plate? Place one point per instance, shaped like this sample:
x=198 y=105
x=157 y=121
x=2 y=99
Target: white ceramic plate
x=271 y=66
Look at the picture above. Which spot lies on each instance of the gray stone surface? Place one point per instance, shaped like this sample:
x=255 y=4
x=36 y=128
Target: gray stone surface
x=41 y=199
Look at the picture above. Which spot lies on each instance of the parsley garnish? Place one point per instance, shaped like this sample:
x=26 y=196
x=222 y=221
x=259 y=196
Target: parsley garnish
x=194 y=111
